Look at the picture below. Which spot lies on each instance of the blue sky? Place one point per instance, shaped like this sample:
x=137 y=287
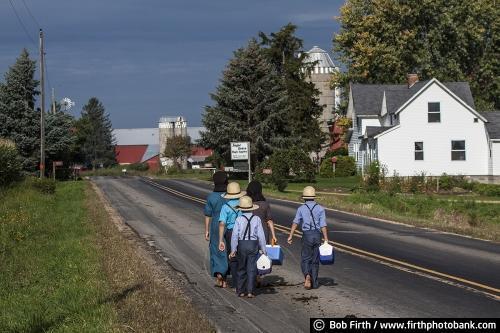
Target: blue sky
x=146 y=59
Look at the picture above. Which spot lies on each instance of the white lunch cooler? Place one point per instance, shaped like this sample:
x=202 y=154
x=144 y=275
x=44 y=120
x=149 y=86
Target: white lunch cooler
x=326 y=254
x=264 y=265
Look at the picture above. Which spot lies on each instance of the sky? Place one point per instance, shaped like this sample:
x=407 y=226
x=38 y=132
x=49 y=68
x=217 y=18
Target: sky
x=150 y=58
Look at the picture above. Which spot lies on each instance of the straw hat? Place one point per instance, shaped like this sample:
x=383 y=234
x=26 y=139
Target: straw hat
x=234 y=191
x=246 y=204
x=309 y=192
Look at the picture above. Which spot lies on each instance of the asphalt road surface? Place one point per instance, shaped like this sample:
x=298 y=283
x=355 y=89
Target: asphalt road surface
x=382 y=269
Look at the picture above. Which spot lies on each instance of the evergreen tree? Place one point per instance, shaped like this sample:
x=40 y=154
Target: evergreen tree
x=60 y=137
x=249 y=105
x=303 y=109
x=95 y=136
x=19 y=121
x=381 y=41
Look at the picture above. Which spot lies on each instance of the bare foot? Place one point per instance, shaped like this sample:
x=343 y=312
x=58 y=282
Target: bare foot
x=307 y=282
x=224 y=284
x=219 y=280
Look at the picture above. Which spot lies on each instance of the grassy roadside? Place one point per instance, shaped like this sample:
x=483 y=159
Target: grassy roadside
x=65 y=268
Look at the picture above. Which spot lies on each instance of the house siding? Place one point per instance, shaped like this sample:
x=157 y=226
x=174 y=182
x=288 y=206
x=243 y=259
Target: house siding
x=396 y=147
x=495 y=158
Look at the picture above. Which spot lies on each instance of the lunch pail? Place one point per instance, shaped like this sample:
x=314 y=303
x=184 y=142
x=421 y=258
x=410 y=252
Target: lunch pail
x=275 y=253
x=264 y=265
x=326 y=254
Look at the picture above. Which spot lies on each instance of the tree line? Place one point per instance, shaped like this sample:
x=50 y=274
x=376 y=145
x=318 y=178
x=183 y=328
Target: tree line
x=87 y=140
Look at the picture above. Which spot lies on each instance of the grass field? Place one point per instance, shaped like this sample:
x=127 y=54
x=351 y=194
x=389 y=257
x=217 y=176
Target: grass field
x=65 y=268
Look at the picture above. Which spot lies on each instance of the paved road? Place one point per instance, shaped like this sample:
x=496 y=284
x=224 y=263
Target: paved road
x=382 y=269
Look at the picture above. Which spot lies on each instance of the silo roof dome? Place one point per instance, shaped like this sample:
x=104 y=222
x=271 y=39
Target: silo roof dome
x=320 y=56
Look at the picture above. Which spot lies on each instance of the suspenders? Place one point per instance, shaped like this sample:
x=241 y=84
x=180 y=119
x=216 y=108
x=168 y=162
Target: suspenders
x=312 y=216
x=247 y=230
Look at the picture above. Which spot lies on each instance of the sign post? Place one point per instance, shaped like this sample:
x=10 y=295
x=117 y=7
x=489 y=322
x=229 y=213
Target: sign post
x=241 y=151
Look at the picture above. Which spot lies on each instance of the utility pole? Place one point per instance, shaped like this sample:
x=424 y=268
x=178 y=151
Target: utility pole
x=42 y=108
x=53 y=101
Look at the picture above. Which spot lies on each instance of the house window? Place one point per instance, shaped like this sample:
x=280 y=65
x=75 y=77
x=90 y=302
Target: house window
x=458 y=150
x=419 y=151
x=434 y=112
x=476 y=120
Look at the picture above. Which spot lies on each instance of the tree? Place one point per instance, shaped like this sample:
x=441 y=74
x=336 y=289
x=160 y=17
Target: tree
x=249 y=105
x=283 y=50
x=94 y=135
x=380 y=41
x=19 y=121
x=10 y=165
x=178 y=148
x=60 y=137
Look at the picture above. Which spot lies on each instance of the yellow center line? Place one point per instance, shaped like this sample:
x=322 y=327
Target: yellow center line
x=398 y=264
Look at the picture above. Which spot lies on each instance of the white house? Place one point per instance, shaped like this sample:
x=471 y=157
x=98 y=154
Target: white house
x=427 y=126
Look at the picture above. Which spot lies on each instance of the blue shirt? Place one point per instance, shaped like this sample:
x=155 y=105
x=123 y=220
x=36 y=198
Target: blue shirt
x=229 y=214
x=256 y=231
x=304 y=218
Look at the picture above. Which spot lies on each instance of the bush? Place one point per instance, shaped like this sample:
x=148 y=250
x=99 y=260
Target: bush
x=326 y=168
x=292 y=165
x=138 y=167
x=447 y=182
x=487 y=189
x=10 y=165
x=371 y=182
x=345 y=166
x=45 y=185
x=393 y=185
x=300 y=166
x=342 y=151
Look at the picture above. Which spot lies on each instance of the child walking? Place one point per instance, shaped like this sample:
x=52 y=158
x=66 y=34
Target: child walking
x=311 y=216
x=248 y=236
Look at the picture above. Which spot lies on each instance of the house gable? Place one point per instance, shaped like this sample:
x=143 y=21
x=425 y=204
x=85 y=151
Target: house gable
x=442 y=86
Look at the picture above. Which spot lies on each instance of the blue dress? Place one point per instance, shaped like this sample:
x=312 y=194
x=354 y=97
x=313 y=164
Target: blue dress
x=218 y=259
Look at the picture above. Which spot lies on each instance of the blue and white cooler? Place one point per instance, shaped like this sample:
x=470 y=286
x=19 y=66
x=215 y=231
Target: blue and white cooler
x=275 y=253
x=326 y=254
x=264 y=265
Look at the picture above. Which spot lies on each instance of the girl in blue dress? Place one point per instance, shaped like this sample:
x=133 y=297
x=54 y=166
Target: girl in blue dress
x=215 y=201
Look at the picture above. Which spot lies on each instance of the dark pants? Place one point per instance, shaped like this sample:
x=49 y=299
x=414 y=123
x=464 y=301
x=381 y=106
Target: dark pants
x=233 y=262
x=247 y=265
x=311 y=240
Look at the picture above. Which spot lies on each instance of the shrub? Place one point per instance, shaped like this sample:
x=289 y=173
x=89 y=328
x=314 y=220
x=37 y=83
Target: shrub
x=371 y=182
x=138 y=166
x=487 y=189
x=417 y=183
x=393 y=185
x=326 y=168
x=300 y=166
x=345 y=166
x=45 y=185
x=10 y=165
x=286 y=165
x=342 y=151
x=447 y=182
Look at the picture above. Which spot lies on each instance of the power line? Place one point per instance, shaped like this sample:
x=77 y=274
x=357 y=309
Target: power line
x=21 y=23
x=32 y=16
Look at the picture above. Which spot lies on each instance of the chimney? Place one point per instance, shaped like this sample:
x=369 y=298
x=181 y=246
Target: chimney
x=411 y=79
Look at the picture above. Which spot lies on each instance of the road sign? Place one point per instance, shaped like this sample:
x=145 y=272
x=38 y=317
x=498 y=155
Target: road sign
x=240 y=166
x=239 y=150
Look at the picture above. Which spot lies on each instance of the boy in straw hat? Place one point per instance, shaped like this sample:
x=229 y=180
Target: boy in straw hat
x=311 y=217
x=227 y=217
x=247 y=237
